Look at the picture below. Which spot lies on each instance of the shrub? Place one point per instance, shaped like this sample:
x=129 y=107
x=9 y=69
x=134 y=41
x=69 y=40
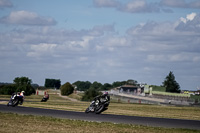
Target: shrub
x=67 y=89
x=8 y=89
x=90 y=94
x=20 y=84
x=27 y=88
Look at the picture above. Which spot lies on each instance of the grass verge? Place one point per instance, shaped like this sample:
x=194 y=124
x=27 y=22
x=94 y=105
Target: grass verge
x=39 y=124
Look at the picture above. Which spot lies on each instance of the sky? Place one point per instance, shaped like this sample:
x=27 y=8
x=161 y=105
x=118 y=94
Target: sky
x=101 y=40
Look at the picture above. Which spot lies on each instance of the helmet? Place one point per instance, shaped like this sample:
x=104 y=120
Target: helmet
x=105 y=93
x=23 y=92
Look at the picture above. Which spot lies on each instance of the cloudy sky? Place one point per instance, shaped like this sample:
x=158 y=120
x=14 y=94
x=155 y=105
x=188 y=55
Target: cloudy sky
x=100 y=40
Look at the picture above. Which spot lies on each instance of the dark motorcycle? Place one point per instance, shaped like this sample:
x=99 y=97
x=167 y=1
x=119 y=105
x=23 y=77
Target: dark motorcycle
x=99 y=104
x=15 y=100
x=45 y=98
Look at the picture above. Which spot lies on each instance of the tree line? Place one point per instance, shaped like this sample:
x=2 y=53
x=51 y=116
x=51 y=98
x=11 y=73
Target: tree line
x=52 y=83
x=19 y=84
x=85 y=85
x=25 y=84
x=94 y=89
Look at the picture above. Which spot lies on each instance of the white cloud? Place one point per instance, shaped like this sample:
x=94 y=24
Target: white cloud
x=181 y=3
x=152 y=48
x=99 y=47
x=116 y=41
x=5 y=4
x=173 y=3
x=190 y=24
x=111 y=49
x=134 y=6
x=189 y=17
x=183 y=20
x=27 y=18
x=173 y=57
x=147 y=69
x=179 y=57
x=83 y=58
x=137 y=6
x=105 y=3
x=167 y=42
x=195 y=4
x=85 y=42
x=41 y=49
x=112 y=63
x=45 y=43
x=142 y=6
x=196 y=59
x=156 y=58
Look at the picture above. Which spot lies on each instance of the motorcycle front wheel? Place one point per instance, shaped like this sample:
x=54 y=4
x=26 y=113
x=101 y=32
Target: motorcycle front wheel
x=87 y=110
x=15 y=102
x=99 y=109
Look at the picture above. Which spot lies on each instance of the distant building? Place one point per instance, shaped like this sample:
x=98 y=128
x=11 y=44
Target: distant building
x=130 y=89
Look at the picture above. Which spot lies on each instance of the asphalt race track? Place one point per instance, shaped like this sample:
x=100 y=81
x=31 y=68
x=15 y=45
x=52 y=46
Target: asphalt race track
x=147 y=121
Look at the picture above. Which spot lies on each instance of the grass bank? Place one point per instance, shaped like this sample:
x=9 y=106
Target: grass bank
x=39 y=124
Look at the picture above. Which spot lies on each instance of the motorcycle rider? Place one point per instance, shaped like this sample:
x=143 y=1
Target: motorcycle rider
x=21 y=96
x=99 y=104
x=106 y=96
x=45 y=98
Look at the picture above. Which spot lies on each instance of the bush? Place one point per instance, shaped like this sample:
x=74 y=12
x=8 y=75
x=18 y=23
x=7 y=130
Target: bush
x=8 y=89
x=90 y=94
x=67 y=89
x=52 y=83
x=20 y=84
x=82 y=85
x=27 y=88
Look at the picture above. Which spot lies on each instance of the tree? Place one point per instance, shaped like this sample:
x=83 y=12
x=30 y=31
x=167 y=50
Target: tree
x=20 y=84
x=90 y=94
x=67 y=89
x=8 y=89
x=82 y=85
x=92 y=91
x=118 y=83
x=52 y=83
x=22 y=81
x=132 y=82
x=24 y=84
x=96 y=85
x=171 y=84
x=57 y=83
x=106 y=86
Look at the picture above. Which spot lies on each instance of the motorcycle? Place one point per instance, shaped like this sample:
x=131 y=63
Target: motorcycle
x=99 y=104
x=15 y=100
x=45 y=98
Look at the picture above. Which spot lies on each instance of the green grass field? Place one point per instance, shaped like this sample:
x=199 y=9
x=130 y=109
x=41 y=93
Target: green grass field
x=39 y=124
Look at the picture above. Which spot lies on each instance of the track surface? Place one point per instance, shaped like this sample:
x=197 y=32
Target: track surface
x=147 y=121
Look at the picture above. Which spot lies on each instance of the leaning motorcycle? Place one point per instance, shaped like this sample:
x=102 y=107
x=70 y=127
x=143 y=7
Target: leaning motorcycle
x=45 y=98
x=98 y=104
x=15 y=100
